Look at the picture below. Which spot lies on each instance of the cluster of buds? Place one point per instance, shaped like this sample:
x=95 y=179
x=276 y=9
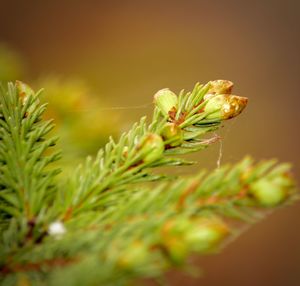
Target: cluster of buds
x=208 y=104
x=202 y=235
x=220 y=104
x=270 y=192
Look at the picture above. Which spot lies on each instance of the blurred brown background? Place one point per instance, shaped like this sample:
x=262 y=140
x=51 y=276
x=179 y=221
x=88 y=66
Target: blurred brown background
x=126 y=50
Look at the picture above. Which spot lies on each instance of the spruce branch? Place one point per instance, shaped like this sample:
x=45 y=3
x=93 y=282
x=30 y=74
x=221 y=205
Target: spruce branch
x=177 y=127
x=153 y=230
x=26 y=182
x=109 y=215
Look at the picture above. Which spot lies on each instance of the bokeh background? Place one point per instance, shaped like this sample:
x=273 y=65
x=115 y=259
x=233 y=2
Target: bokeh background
x=107 y=59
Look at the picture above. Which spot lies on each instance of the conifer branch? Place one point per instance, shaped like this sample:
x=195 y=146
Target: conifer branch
x=105 y=216
x=156 y=229
x=26 y=182
x=178 y=126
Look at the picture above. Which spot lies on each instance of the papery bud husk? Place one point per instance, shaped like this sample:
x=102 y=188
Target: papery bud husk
x=165 y=100
x=224 y=106
x=220 y=86
x=152 y=145
x=173 y=133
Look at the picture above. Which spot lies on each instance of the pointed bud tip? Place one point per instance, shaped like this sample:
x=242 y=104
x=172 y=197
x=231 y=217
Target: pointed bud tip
x=234 y=106
x=161 y=92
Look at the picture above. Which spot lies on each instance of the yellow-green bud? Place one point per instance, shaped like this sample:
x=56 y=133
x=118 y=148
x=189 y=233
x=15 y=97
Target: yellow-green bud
x=177 y=249
x=165 y=100
x=220 y=86
x=173 y=239
x=134 y=255
x=224 y=106
x=152 y=146
x=269 y=193
x=173 y=134
x=206 y=234
x=181 y=236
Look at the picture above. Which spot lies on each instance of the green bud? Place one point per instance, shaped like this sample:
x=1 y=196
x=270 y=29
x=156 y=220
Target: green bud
x=165 y=100
x=181 y=236
x=177 y=249
x=152 y=146
x=173 y=239
x=206 y=234
x=269 y=193
x=220 y=86
x=173 y=134
x=224 y=106
x=134 y=255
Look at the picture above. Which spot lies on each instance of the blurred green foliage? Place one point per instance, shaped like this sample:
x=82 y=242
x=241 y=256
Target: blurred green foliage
x=83 y=119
